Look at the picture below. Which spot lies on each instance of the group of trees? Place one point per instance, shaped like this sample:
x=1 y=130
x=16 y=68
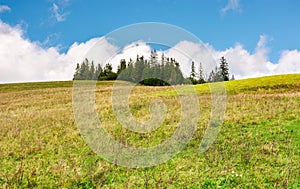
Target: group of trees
x=88 y=71
x=219 y=73
x=152 y=71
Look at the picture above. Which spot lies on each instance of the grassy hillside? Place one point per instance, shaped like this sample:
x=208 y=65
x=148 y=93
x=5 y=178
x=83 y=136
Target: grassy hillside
x=257 y=147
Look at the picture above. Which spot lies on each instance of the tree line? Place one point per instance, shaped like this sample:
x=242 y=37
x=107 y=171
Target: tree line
x=152 y=71
x=218 y=74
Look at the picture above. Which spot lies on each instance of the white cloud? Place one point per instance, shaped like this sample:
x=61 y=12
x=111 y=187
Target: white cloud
x=185 y=52
x=130 y=52
x=243 y=64
x=289 y=62
x=22 y=60
x=59 y=17
x=233 y=5
x=4 y=8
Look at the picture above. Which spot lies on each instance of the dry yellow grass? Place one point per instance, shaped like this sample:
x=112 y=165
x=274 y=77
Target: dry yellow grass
x=258 y=146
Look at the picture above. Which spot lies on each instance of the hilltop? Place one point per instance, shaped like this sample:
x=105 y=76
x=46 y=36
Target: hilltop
x=258 y=145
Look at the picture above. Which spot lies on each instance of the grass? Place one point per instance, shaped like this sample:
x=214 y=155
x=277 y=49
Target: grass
x=257 y=147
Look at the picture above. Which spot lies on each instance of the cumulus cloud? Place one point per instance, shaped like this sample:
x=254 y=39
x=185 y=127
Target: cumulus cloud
x=289 y=62
x=130 y=52
x=233 y=5
x=22 y=60
x=185 y=52
x=4 y=8
x=245 y=64
x=242 y=63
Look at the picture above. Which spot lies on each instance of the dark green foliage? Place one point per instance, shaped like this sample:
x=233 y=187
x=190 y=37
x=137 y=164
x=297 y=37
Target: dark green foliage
x=147 y=72
x=122 y=66
x=193 y=72
x=220 y=73
x=92 y=71
x=87 y=71
x=107 y=73
x=224 y=69
x=215 y=75
x=151 y=72
x=232 y=77
x=77 y=72
x=201 y=74
x=99 y=70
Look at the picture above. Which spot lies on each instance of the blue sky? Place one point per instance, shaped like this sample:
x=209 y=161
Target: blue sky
x=82 y=20
x=220 y=23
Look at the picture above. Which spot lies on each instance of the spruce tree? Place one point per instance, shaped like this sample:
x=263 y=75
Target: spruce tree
x=98 y=72
x=77 y=72
x=218 y=75
x=211 y=76
x=193 y=73
x=232 y=77
x=162 y=70
x=85 y=70
x=92 y=72
x=128 y=75
x=224 y=69
x=201 y=74
x=153 y=58
x=122 y=66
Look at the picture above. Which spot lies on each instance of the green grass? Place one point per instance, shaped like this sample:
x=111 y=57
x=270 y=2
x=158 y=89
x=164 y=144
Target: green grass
x=257 y=147
x=35 y=85
x=266 y=84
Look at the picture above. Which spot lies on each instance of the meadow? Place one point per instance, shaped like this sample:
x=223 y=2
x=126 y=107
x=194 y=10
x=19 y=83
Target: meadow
x=257 y=147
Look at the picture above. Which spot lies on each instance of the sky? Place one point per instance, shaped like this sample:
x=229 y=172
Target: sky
x=43 y=40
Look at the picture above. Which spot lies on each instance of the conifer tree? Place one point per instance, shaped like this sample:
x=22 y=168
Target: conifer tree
x=201 y=74
x=77 y=72
x=122 y=66
x=232 y=77
x=92 y=72
x=193 y=73
x=224 y=69
x=98 y=71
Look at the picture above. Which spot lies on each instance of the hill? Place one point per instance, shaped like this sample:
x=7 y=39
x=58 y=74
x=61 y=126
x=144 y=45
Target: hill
x=257 y=147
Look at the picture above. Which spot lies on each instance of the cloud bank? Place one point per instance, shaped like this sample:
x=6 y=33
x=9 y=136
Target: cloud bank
x=242 y=63
x=22 y=60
